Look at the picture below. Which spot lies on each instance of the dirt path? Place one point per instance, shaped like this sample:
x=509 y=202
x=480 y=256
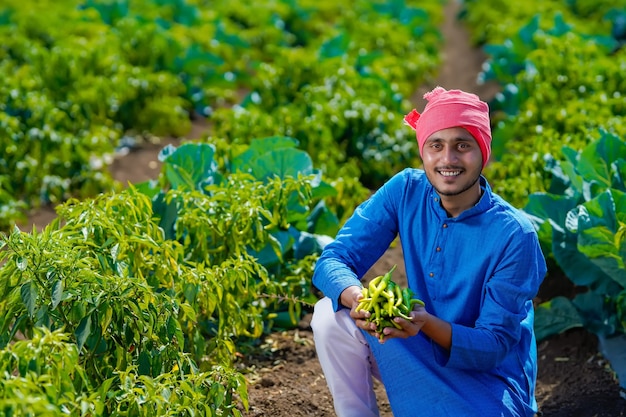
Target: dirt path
x=461 y=62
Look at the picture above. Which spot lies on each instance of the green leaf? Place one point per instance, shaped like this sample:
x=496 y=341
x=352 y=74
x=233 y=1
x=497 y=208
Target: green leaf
x=335 y=47
x=258 y=147
x=320 y=188
x=527 y=33
x=560 y=26
x=168 y=213
x=578 y=268
x=111 y=12
x=595 y=161
x=57 y=293
x=308 y=244
x=29 y=295
x=399 y=10
x=597 y=317
x=144 y=363
x=597 y=233
x=103 y=390
x=619 y=177
x=172 y=327
x=192 y=166
x=272 y=253
x=322 y=221
x=551 y=207
x=197 y=61
x=556 y=316
x=21 y=263
x=282 y=163
x=181 y=12
x=189 y=312
x=190 y=291
x=5 y=17
x=83 y=331
x=149 y=188
x=229 y=39
x=106 y=315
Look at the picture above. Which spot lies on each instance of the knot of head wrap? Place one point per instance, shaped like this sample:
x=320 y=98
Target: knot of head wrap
x=453 y=108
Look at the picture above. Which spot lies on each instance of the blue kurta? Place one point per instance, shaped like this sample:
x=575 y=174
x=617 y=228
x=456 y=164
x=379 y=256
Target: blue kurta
x=478 y=271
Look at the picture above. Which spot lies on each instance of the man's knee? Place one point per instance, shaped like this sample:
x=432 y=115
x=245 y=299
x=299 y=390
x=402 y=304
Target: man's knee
x=331 y=325
x=323 y=314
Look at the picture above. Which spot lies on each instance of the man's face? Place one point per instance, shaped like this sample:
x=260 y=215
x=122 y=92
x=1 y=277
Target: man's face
x=453 y=162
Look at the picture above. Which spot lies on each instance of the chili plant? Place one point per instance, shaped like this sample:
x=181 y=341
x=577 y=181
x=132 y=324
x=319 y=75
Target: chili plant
x=265 y=201
x=109 y=280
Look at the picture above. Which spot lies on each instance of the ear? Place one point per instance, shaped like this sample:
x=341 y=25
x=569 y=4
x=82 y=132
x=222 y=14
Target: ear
x=412 y=118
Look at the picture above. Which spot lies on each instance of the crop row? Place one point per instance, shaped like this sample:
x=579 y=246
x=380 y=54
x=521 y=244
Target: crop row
x=82 y=78
x=140 y=301
x=559 y=148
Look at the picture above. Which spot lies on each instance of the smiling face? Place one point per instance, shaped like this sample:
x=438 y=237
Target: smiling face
x=453 y=164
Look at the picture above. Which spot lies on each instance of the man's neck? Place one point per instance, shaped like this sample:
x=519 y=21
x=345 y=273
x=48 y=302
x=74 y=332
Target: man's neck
x=457 y=204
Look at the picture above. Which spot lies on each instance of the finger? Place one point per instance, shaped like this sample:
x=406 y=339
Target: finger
x=407 y=328
x=418 y=308
x=366 y=325
x=390 y=333
x=360 y=315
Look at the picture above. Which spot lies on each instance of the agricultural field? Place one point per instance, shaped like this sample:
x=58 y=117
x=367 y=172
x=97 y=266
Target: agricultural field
x=162 y=258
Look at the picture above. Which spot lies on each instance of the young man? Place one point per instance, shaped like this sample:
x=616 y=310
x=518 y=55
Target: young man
x=471 y=257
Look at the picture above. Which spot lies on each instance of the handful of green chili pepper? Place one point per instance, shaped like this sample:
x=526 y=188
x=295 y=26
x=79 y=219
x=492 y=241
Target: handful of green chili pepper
x=385 y=300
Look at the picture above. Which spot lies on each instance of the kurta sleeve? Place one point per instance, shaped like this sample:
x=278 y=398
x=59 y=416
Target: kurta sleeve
x=360 y=243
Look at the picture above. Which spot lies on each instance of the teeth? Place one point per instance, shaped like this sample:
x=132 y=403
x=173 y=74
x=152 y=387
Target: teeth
x=450 y=173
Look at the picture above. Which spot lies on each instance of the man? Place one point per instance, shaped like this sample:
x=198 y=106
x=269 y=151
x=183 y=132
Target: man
x=471 y=257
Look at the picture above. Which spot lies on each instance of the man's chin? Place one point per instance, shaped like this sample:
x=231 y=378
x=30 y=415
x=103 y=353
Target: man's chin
x=446 y=189
x=449 y=191
x=449 y=186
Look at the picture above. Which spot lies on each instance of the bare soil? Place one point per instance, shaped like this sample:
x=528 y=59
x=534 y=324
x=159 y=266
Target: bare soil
x=285 y=378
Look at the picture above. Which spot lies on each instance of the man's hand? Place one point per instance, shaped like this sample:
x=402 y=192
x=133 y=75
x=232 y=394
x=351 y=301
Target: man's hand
x=409 y=328
x=350 y=298
x=438 y=330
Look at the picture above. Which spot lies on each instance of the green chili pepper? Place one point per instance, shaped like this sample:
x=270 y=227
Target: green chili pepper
x=385 y=300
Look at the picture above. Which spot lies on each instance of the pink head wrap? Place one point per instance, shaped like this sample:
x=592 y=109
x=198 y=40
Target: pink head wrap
x=453 y=108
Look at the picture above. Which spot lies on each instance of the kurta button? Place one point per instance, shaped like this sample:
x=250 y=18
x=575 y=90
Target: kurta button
x=445 y=225
x=438 y=249
x=431 y=275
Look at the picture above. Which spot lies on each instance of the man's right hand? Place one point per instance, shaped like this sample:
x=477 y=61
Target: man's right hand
x=350 y=298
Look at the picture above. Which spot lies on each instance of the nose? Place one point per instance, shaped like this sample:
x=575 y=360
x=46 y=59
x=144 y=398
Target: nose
x=449 y=155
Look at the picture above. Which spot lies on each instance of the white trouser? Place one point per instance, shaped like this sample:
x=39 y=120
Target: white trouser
x=346 y=360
